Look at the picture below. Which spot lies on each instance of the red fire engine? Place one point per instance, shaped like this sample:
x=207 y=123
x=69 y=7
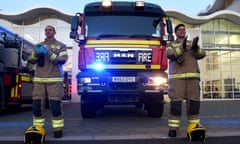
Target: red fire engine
x=122 y=55
x=15 y=76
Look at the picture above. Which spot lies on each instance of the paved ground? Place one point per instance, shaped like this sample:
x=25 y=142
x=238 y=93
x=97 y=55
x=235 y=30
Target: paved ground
x=126 y=125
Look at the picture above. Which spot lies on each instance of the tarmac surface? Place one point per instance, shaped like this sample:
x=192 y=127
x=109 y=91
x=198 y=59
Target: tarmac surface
x=126 y=124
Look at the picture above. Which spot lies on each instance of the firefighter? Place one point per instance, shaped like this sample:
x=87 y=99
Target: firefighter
x=49 y=55
x=184 y=78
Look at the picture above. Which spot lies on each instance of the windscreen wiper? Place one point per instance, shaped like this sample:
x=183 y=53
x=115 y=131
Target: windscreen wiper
x=111 y=36
x=141 y=36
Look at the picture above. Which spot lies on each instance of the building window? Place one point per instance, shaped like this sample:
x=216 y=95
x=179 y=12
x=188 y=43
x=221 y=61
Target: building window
x=220 y=74
x=212 y=61
x=220 y=70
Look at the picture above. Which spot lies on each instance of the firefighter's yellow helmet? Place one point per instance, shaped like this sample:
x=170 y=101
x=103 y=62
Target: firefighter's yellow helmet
x=196 y=132
x=34 y=135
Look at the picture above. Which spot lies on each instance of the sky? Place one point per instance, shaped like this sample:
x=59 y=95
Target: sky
x=189 y=7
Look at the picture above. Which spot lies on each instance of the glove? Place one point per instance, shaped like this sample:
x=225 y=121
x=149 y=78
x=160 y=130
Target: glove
x=195 y=44
x=40 y=60
x=184 y=43
x=55 y=58
x=41 y=49
x=38 y=48
x=180 y=59
x=52 y=57
x=45 y=50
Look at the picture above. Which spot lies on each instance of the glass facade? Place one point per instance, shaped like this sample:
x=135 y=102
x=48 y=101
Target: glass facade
x=221 y=67
x=220 y=78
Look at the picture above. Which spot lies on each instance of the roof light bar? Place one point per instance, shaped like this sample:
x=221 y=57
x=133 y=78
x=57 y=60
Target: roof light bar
x=107 y=3
x=139 y=3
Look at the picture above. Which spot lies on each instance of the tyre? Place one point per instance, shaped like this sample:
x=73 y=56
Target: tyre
x=88 y=110
x=2 y=96
x=154 y=105
x=155 y=110
x=2 y=108
x=14 y=107
x=139 y=105
x=1 y=104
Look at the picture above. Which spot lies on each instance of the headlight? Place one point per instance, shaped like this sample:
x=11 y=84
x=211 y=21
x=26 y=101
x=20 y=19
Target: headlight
x=89 y=80
x=85 y=80
x=156 y=81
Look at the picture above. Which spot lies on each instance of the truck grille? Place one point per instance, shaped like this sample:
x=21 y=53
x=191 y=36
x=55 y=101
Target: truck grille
x=122 y=86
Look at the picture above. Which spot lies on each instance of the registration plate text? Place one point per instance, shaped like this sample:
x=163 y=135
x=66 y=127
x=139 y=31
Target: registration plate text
x=123 y=79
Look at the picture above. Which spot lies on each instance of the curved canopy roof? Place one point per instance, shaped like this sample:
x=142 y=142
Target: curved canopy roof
x=231 y=5
x=224 y=14
x=32 y=16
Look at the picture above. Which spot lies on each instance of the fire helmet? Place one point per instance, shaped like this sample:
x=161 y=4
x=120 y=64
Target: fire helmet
x=196 y=132
x=34 y=135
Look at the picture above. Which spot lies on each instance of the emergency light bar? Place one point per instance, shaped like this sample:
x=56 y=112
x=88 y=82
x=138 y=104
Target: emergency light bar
x=106 y=3
x=139 y=3
x=98 y=66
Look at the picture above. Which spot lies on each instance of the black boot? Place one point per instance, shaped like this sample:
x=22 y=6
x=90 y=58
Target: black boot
x=172 y=133
x=58 y=134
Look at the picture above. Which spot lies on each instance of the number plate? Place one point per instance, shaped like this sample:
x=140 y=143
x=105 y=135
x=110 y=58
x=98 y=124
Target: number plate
x=124 y=79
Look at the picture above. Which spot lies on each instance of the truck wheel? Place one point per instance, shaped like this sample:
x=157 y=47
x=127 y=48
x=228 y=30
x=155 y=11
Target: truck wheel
x=14 y=107
x=139 y=105
x=154 y=105
x=155 y=110
x=88 y=110
x=1 y=106
x=2 y=98
x=1 y=102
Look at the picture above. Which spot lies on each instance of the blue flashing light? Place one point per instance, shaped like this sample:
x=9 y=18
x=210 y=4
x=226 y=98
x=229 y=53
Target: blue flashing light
x=98 y=66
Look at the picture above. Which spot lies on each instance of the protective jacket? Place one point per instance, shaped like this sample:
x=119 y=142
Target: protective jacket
x=188 y=68
x=51 y=71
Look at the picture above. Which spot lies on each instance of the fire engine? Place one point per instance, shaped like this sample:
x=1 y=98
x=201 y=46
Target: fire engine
x=15 y=75
x=121 y=55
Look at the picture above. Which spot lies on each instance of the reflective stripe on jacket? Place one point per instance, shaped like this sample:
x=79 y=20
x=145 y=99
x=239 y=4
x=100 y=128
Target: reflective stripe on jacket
x=47 y=80
x=184 y=75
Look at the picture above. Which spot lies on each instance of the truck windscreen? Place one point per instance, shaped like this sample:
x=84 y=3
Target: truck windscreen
x=120 y=26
